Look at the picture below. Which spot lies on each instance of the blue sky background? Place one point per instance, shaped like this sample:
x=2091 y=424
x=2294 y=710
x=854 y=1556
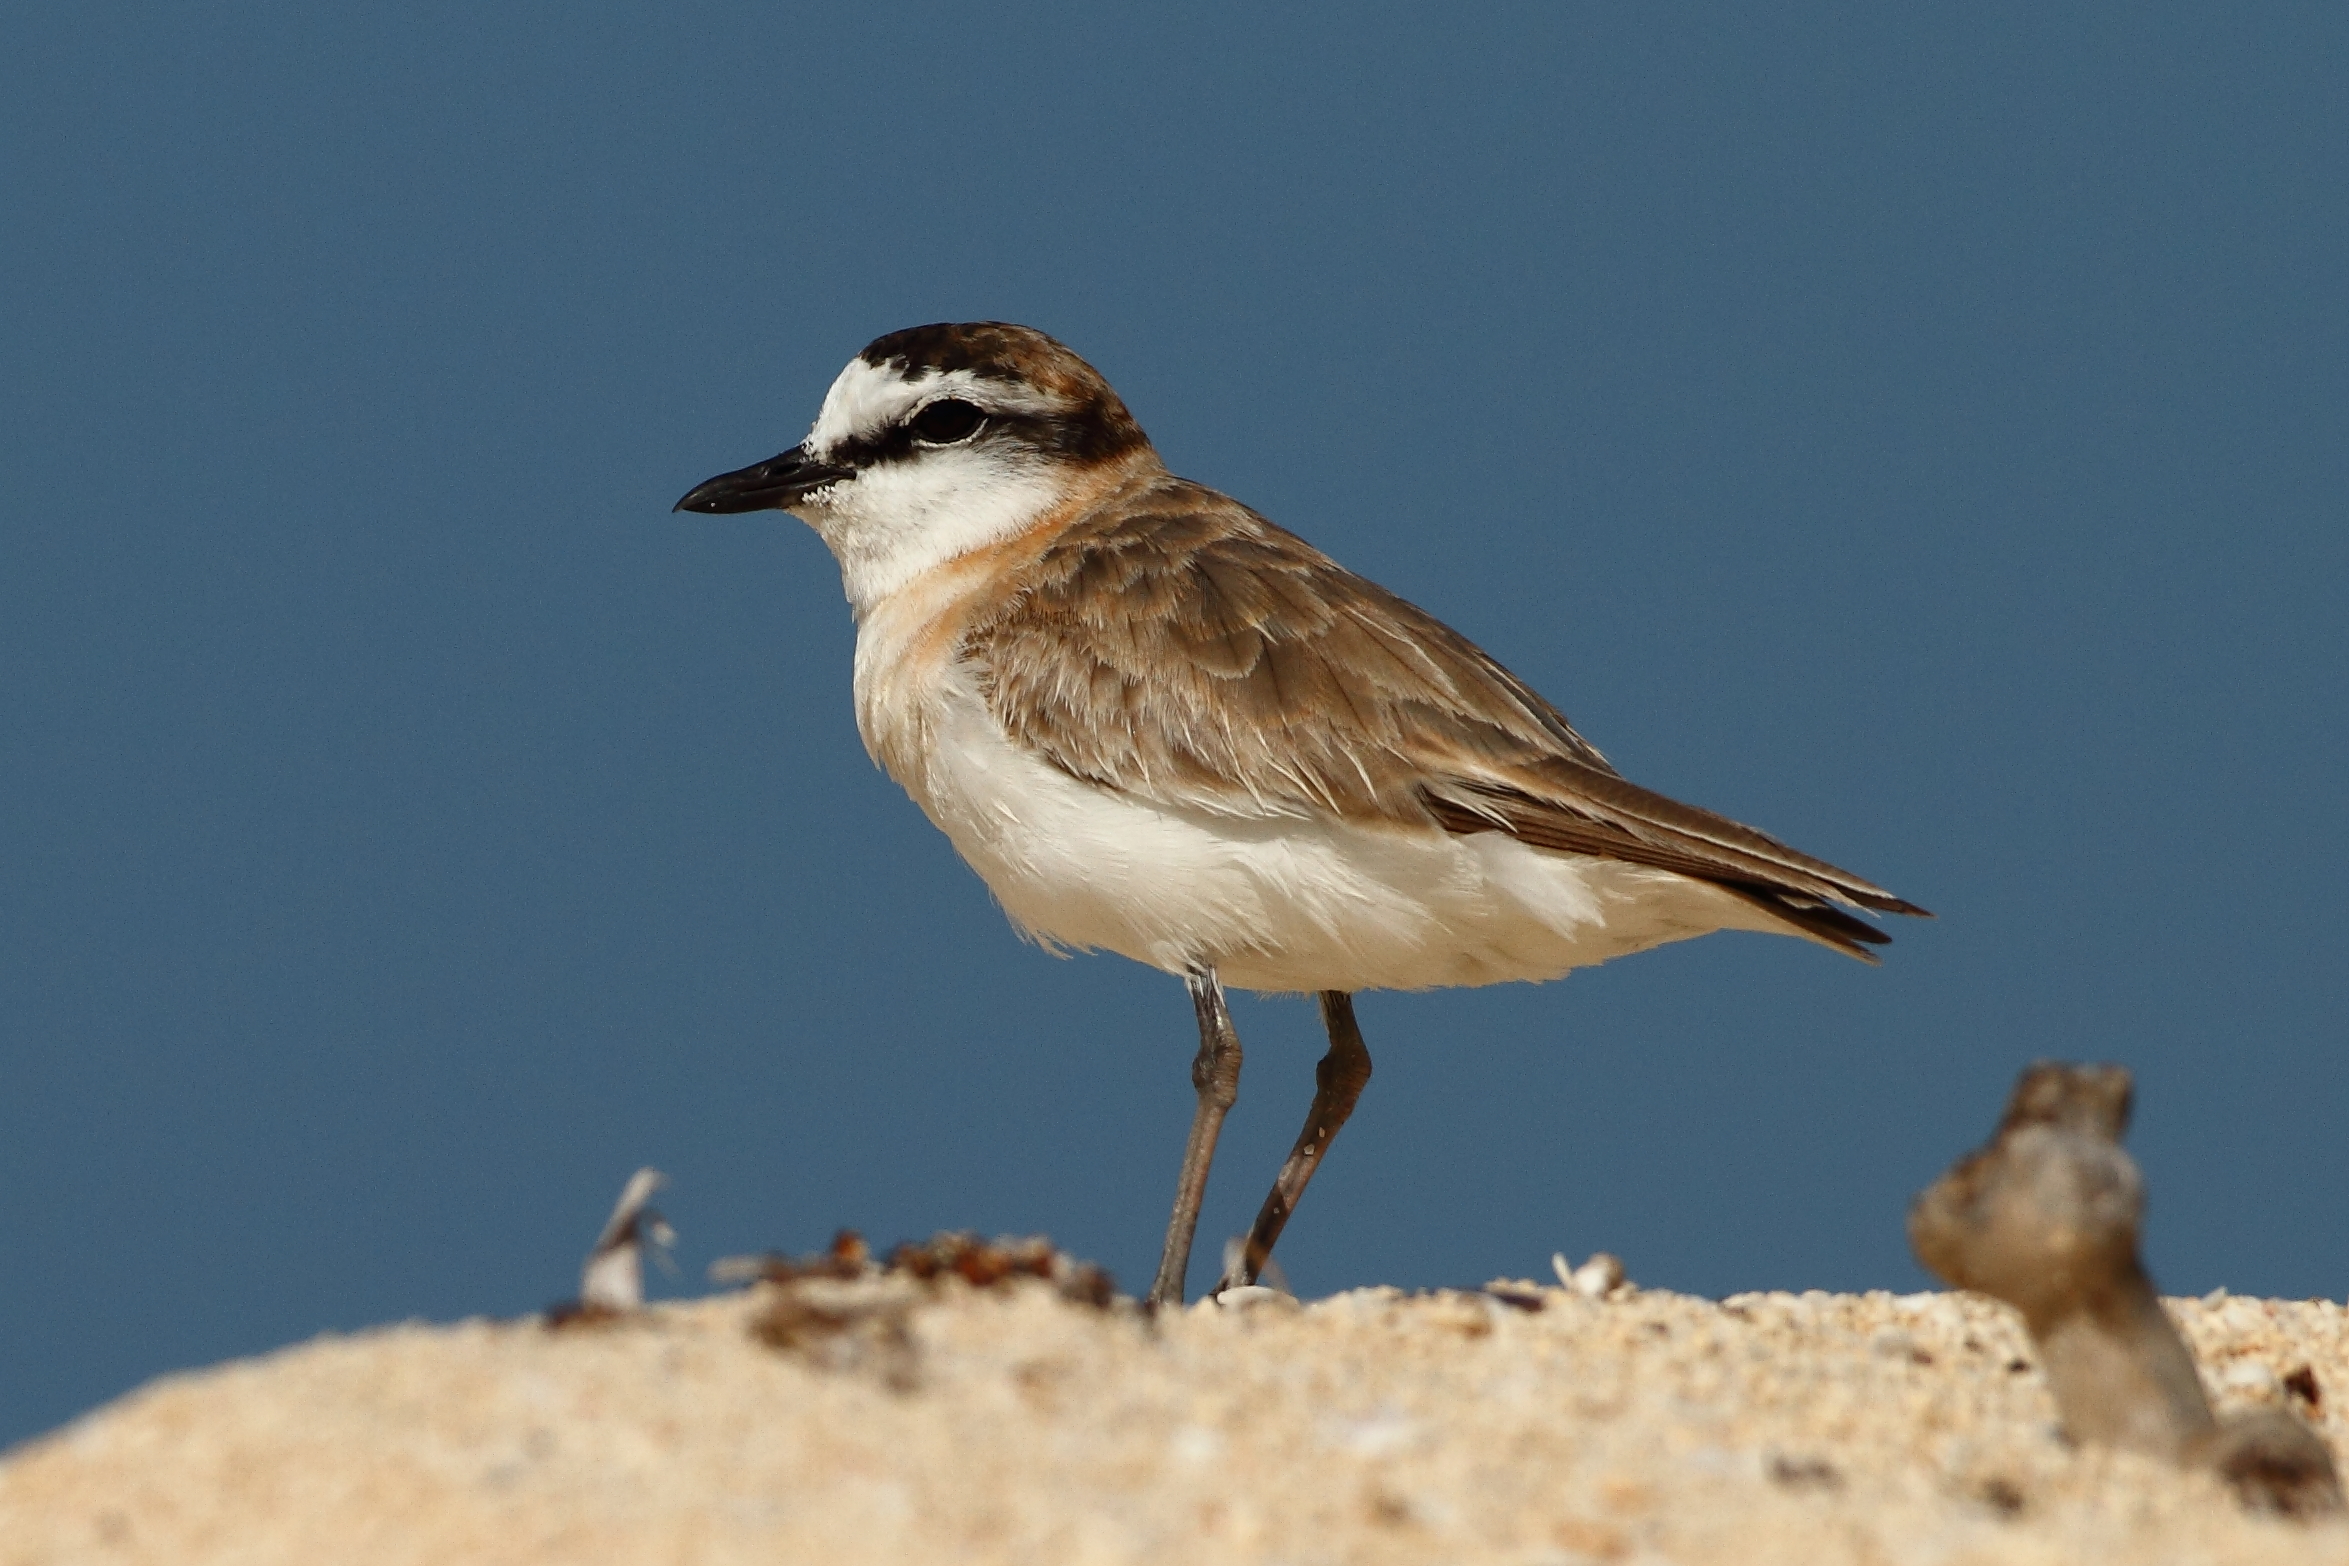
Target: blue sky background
x=1921 y=434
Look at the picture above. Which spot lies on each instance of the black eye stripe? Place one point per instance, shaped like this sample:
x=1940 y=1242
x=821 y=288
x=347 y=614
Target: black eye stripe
x=1076 y=434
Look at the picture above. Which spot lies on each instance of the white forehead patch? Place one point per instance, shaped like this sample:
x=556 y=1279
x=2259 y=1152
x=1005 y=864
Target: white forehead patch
x=867 y=399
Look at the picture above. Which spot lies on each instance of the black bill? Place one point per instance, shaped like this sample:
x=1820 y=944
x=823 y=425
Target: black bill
x=771 y=485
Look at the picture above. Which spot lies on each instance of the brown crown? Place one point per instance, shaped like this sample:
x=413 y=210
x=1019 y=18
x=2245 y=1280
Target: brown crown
x=1092 y=422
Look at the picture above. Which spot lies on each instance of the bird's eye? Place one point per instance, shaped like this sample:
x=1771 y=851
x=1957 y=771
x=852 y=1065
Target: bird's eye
x=949 y=420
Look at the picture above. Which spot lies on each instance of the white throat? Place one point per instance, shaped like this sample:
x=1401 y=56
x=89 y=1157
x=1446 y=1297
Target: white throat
x=895 y=522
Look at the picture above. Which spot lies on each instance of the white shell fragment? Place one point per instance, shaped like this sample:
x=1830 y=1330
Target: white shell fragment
x=1595 y=1279
x=1235 y=1251
x=613 y=1278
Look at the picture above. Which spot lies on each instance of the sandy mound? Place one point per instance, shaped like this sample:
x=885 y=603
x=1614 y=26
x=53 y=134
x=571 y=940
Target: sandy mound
x=951 y=1424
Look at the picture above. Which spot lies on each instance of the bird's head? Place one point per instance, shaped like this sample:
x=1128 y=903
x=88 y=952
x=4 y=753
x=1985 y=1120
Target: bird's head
x=935 y=441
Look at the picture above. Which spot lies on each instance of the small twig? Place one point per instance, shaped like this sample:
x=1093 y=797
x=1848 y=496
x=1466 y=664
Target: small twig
x=2045 y=1218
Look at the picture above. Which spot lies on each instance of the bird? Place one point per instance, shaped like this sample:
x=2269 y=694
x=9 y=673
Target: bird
x=1159 y=725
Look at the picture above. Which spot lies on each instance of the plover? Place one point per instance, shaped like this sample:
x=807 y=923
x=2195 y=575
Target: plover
x=1159 y=725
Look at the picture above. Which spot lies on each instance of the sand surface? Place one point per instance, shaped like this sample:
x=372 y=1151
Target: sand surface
x=944 y=1423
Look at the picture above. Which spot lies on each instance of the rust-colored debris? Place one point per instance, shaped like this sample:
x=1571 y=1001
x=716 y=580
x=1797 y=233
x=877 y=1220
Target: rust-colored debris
x=983 y=1264
x=844 y=1326
x=842 y=1309
x=948 y=1254
x=847 y=1258
x=2301 y=1384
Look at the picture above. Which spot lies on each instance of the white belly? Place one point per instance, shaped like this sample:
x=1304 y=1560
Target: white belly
x=1283 y=903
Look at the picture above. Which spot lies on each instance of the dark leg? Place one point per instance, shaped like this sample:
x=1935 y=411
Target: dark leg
x=1337 y=1083
x=1215 y=1072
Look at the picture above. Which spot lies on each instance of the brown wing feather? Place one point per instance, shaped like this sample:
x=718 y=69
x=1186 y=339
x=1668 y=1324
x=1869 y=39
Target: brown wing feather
x=1180 y=647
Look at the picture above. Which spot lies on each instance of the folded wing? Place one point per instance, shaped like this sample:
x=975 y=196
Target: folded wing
x=1186 y=650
